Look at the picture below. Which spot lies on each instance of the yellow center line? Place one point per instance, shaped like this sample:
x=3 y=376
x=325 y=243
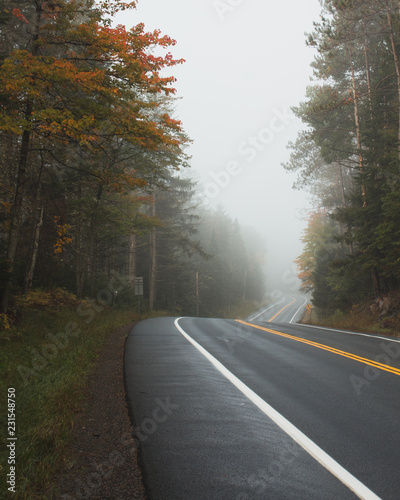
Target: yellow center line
x=349 y=355
x=277 y=314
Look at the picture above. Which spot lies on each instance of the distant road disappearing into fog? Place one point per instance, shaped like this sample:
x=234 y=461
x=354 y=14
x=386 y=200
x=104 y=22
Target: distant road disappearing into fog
x=264 y=408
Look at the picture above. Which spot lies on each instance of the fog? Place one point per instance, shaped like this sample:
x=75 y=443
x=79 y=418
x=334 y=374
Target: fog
x=246 y=65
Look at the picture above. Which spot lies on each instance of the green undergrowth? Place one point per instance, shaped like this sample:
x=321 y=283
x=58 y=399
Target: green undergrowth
x=47 y=356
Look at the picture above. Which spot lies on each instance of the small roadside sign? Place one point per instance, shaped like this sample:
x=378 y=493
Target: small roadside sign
x=138 y=286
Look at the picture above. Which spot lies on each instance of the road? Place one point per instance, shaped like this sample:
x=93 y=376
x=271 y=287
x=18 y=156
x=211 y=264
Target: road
x=264 y=408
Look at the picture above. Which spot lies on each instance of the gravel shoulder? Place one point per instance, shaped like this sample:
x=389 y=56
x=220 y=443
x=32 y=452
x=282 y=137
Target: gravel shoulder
x=101 y=462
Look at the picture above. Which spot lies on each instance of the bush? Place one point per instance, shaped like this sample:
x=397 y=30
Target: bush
x=46 y=299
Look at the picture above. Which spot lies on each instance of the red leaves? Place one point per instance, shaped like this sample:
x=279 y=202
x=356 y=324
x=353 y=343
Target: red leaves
x=18 y=14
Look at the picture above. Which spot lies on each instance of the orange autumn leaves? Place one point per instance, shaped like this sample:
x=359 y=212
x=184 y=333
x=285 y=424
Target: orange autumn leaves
x=87 y=80
x=74 y=79
x=62 y=235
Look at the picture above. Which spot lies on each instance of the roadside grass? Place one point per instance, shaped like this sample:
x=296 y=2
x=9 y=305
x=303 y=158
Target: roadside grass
x=47 y=358
x=359 y=319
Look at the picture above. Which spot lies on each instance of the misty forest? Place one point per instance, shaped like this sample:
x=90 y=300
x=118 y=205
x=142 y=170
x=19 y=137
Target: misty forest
x=348 y=155
x=104 y=222
x=93 y=169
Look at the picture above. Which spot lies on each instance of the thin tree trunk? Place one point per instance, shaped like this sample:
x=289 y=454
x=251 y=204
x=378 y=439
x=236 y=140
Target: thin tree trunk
x=33 y=254
x=358 y=134
x=344 y=202
x=132 y=259
x=16 y=214
x=368 y=73
x=375 y=282
x=153 y=262
x=79 y=269
x=37 y=224
x=341 y=181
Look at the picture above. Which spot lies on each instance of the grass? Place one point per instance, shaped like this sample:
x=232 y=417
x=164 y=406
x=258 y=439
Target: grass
x=47 y=357
x=358 y=319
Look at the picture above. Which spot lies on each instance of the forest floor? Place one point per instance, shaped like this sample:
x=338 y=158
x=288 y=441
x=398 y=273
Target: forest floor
x=101 y=462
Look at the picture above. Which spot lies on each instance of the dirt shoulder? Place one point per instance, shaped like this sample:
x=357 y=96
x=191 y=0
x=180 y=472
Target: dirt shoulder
x=101 y=462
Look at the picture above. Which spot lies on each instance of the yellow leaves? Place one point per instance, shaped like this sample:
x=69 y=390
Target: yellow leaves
x=6 y=206
x=62 y=235
x=121 y=182
x=4 y=322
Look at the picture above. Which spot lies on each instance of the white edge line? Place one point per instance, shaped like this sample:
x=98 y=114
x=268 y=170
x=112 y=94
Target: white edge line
x=295 y=314
x=265 y=310
x=371 y=335
x=309 y=446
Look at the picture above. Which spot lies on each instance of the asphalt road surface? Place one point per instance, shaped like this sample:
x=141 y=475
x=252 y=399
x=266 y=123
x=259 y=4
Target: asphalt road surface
x=264 y=408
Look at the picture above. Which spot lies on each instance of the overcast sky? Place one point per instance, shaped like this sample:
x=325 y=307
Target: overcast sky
x=246 y=64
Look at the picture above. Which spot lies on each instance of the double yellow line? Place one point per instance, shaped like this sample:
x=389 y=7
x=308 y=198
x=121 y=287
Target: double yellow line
x=283 y=308
x=360 y=359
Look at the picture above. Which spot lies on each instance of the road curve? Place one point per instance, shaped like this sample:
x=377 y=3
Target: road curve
x=202 y=436
x=286 y=309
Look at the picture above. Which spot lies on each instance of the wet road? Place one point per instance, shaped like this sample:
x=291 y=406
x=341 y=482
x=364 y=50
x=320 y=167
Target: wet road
x=264 y=409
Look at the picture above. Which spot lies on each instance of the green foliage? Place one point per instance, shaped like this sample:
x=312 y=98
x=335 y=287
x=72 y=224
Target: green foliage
x=349 y=157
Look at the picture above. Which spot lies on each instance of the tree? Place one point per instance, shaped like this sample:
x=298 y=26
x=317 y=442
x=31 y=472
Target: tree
x=69 y=79
x=352 y=118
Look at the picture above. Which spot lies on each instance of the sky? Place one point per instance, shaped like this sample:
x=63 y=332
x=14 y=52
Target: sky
x=246 y=65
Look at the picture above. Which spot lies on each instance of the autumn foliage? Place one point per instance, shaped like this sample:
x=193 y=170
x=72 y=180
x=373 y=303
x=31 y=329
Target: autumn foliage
x=84 y=126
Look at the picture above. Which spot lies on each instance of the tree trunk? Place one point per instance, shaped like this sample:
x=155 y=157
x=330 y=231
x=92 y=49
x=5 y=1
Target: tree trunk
x=375 y=283
x=131 y=259
x=33 y=253
x=79 y=268
x=358 y=134
x=16 y=214
x=37 y=224
x=153 y=262
x=368 y=73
